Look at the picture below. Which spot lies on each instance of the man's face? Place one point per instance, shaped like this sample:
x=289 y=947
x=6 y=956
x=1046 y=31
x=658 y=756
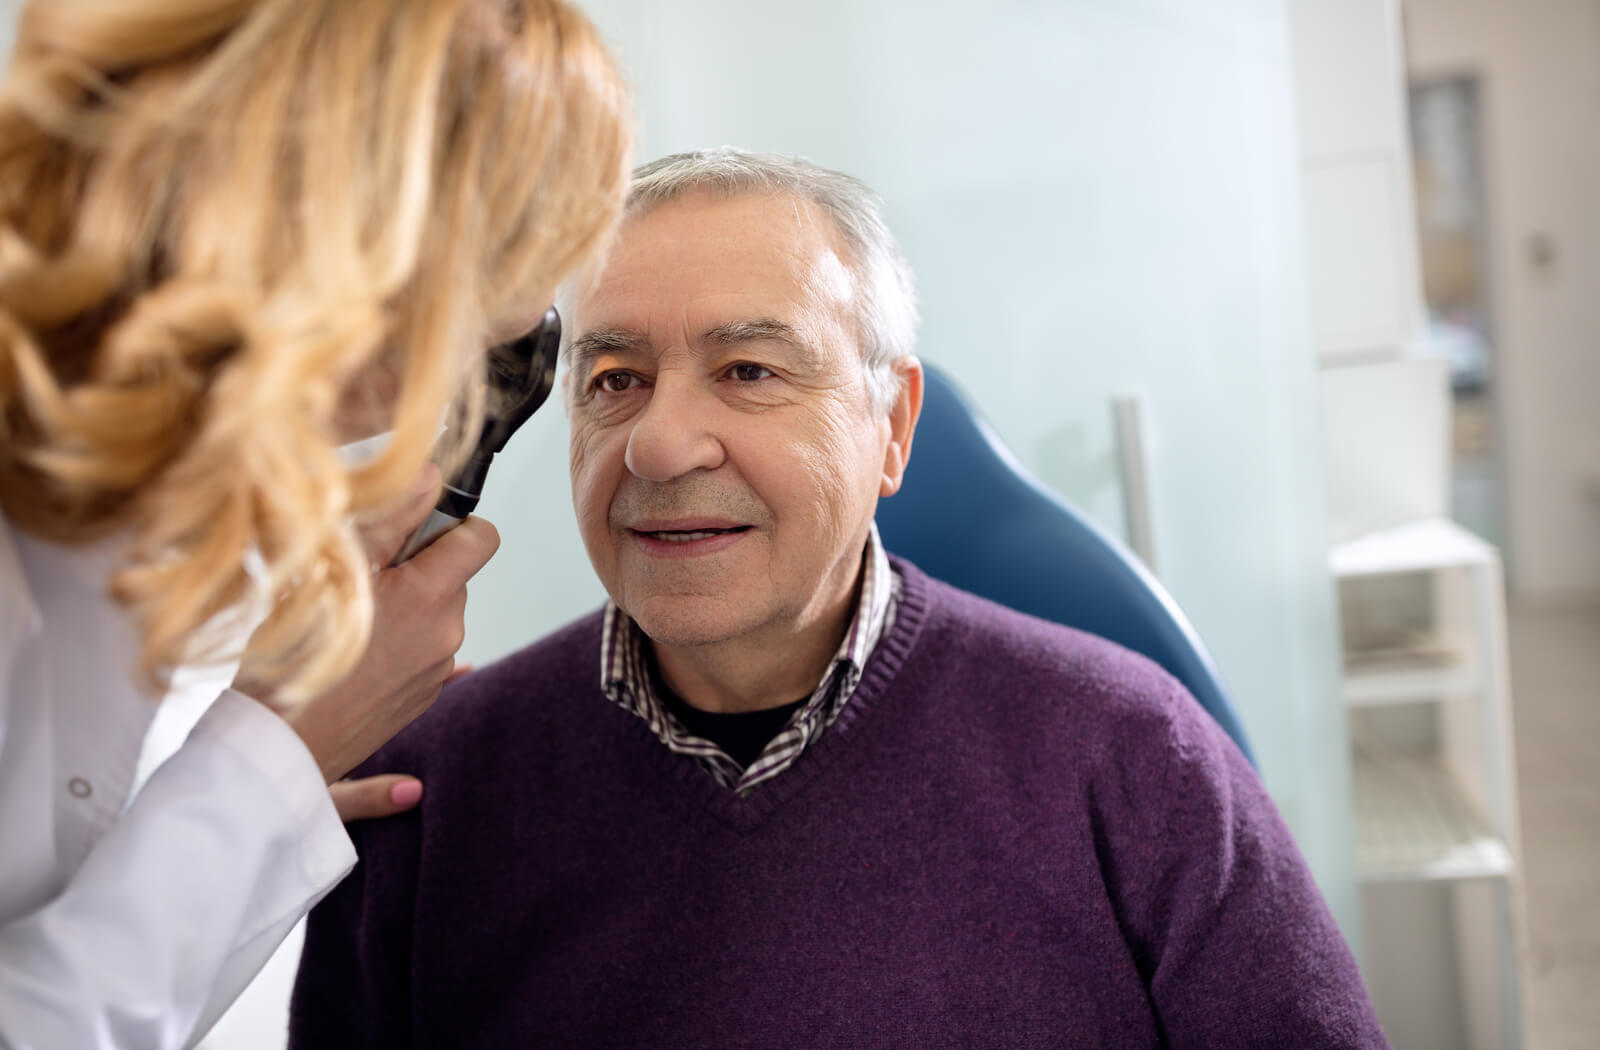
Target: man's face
x=726 y=461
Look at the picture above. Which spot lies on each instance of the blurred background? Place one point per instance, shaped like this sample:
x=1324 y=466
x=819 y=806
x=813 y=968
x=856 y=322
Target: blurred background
x=1344 y=258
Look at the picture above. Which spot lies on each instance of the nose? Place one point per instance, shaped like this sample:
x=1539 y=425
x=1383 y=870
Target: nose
x=674 y=435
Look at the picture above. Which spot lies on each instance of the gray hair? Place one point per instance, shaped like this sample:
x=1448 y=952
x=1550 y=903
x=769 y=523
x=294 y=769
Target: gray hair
x=886 y=318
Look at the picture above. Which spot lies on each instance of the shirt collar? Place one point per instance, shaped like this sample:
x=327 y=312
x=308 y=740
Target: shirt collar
x=626 y=679
x=872 y=610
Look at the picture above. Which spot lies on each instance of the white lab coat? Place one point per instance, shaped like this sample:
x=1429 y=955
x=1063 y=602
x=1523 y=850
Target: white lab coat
x=134 y=923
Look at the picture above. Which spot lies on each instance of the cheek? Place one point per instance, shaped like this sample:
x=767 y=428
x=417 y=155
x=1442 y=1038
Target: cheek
x=593 y=477
x=853 y=443
x=828 y=474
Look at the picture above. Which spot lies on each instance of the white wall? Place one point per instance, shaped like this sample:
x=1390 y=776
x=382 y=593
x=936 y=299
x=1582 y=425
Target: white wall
x=1539 y=63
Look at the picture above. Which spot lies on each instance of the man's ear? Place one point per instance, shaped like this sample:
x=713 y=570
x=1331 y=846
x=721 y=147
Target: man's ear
x=903 y=414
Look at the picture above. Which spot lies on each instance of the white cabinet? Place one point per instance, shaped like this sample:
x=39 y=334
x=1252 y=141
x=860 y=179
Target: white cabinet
x=1360 y=227
x=1427 y=697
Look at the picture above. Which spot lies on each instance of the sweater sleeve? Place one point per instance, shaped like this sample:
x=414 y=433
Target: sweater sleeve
x=353 y=989
x=1234 y=940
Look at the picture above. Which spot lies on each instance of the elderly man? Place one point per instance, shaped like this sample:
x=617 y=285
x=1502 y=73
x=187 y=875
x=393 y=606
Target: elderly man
x=784 y=789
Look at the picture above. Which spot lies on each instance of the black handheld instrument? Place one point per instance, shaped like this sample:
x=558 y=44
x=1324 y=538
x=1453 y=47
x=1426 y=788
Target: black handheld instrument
x=521 y=375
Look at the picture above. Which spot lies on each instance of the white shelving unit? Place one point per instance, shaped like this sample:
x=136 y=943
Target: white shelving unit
x=1416 y=826
x=1364 y=688
x=1427 y=692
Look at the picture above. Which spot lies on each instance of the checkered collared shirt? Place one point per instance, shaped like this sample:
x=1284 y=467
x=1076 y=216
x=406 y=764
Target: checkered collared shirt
x=625 y=677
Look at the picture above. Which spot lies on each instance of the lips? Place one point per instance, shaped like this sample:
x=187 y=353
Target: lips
x=673 y=536
x=686 y=525
x=684 y=538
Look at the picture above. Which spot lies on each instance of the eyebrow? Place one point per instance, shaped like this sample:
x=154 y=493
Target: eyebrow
x=595 y=344
x=591 y=345
x=766 y=328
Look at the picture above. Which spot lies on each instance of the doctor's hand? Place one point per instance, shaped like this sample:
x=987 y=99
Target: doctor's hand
x=385 y=795
x=418 y=625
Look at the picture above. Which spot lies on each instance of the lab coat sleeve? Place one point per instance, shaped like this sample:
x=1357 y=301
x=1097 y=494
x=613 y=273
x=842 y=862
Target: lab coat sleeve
x=230 y=842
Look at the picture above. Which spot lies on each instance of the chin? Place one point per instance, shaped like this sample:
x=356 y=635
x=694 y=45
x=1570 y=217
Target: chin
x=685 y=622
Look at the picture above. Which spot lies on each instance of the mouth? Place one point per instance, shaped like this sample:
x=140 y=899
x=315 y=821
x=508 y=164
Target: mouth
x=688 y=535
x=682 y=539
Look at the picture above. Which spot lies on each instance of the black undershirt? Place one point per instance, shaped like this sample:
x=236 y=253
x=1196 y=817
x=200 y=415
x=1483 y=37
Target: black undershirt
x=742 y=734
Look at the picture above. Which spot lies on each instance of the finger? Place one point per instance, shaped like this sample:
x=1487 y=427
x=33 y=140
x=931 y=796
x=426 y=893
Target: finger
x=383 y=536
x=372 y=797
x=457 y=555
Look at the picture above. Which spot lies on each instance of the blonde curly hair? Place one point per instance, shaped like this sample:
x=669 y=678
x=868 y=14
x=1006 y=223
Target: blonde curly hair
x=227 y=227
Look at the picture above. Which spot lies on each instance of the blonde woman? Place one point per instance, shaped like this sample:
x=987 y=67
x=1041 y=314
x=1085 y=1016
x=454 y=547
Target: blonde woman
x=234 y=236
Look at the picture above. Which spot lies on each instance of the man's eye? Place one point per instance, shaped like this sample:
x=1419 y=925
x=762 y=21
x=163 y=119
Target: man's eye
x=615 y=382
x=748 y=373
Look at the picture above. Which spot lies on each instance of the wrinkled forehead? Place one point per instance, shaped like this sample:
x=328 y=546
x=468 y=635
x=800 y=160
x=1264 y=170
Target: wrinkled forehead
x=715 y=254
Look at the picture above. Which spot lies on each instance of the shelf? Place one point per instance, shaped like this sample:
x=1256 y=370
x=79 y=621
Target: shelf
x=1419 y=546
x=1413 y=825
x=1380 y=687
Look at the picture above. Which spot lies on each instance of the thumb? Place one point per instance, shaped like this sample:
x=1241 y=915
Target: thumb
x=458 y=554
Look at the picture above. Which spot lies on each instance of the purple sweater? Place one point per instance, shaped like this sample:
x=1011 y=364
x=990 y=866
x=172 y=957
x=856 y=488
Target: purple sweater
x=1016 y=835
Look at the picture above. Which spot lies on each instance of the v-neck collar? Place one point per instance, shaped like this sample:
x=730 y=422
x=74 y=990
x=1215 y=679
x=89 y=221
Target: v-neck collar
x=858 y=720
x=630 y=678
